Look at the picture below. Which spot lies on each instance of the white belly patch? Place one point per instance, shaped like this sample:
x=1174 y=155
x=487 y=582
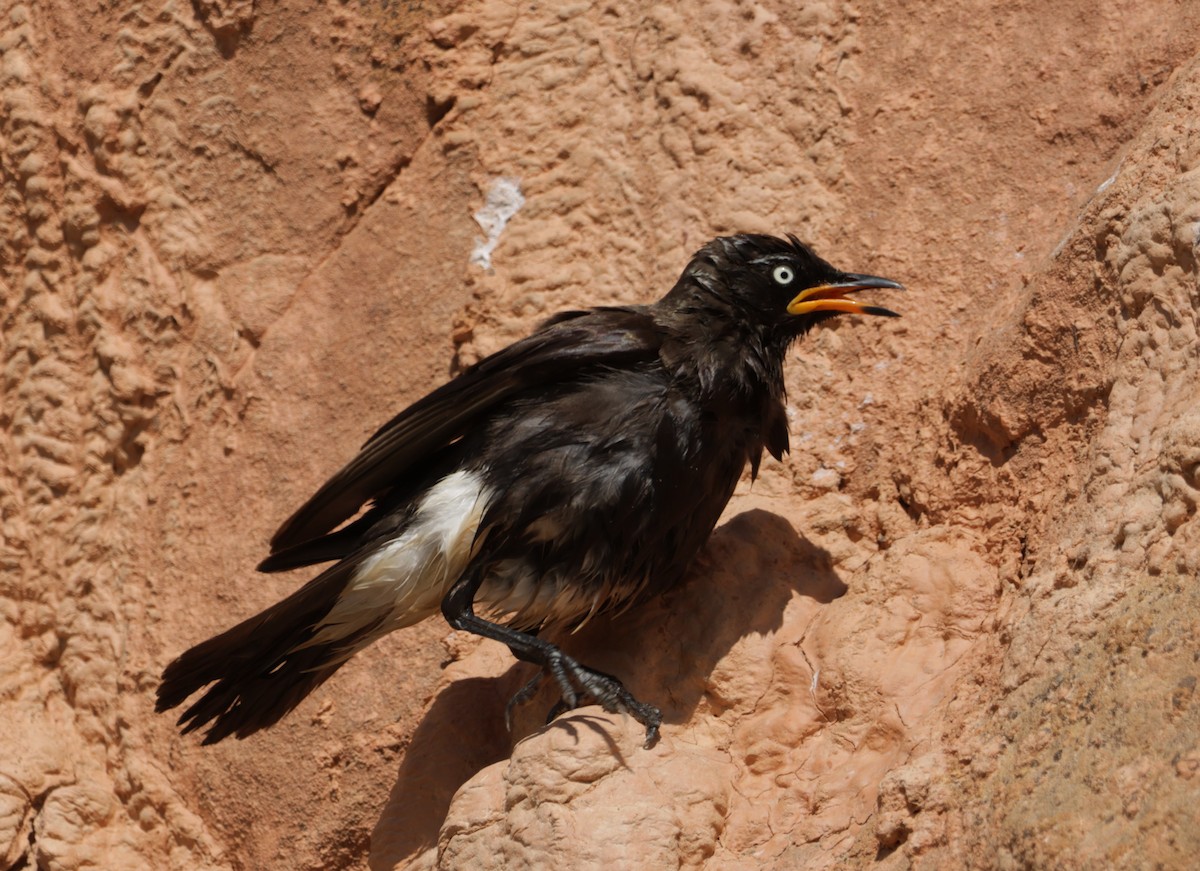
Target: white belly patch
x=405 y=580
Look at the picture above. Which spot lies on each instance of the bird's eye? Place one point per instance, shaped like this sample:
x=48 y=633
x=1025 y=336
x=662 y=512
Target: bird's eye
x=783 y=275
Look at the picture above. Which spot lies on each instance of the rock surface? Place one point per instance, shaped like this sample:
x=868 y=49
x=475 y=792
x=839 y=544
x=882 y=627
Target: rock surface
x=955 y=628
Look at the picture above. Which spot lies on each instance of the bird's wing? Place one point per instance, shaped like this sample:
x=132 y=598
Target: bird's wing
x=562 y=349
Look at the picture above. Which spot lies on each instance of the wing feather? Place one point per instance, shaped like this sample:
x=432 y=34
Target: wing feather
x=566 y=348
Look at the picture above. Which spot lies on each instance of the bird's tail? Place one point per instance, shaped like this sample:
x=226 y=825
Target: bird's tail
x=263 y=667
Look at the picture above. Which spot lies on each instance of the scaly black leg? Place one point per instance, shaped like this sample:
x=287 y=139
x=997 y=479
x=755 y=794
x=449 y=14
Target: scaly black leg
x=573 y=679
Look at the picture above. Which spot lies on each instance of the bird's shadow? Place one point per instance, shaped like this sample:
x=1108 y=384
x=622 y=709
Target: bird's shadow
x=664 y=651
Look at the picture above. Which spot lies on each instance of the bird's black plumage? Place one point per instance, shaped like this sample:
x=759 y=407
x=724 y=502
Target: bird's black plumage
x=577 y=471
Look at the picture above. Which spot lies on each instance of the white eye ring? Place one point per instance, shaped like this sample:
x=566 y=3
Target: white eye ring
x=783 y=275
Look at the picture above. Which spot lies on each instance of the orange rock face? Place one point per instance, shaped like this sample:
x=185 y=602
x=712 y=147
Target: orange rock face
x=955 y=628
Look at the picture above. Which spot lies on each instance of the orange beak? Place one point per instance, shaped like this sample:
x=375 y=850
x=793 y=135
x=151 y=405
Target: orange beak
x=832 y=297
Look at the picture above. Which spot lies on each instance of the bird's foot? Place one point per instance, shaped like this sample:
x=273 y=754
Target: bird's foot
x=576 y=681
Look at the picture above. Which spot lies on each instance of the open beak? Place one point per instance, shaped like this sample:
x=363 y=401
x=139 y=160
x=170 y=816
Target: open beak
x=832 y=297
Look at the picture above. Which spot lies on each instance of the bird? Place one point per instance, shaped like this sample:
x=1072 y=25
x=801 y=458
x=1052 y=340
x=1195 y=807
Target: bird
x=578 y=471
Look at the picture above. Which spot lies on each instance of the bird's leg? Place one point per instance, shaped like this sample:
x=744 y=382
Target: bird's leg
x=572 y=677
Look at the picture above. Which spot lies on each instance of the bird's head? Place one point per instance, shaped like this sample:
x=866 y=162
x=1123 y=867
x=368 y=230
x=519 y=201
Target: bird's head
x=776 y=284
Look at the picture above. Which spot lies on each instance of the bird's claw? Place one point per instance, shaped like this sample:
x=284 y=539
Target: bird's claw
x=520 y=697
x=574 y=681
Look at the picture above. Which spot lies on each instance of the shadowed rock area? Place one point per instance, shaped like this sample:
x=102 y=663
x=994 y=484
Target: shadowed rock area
x=956 y=627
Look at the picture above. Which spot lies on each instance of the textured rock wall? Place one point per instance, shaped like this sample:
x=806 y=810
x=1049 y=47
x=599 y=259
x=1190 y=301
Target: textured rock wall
x=956 y=627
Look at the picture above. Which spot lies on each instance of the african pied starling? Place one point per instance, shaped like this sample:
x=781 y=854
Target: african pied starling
x=577 y=471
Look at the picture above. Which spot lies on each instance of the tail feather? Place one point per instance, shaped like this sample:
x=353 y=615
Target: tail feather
x=260 y=669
